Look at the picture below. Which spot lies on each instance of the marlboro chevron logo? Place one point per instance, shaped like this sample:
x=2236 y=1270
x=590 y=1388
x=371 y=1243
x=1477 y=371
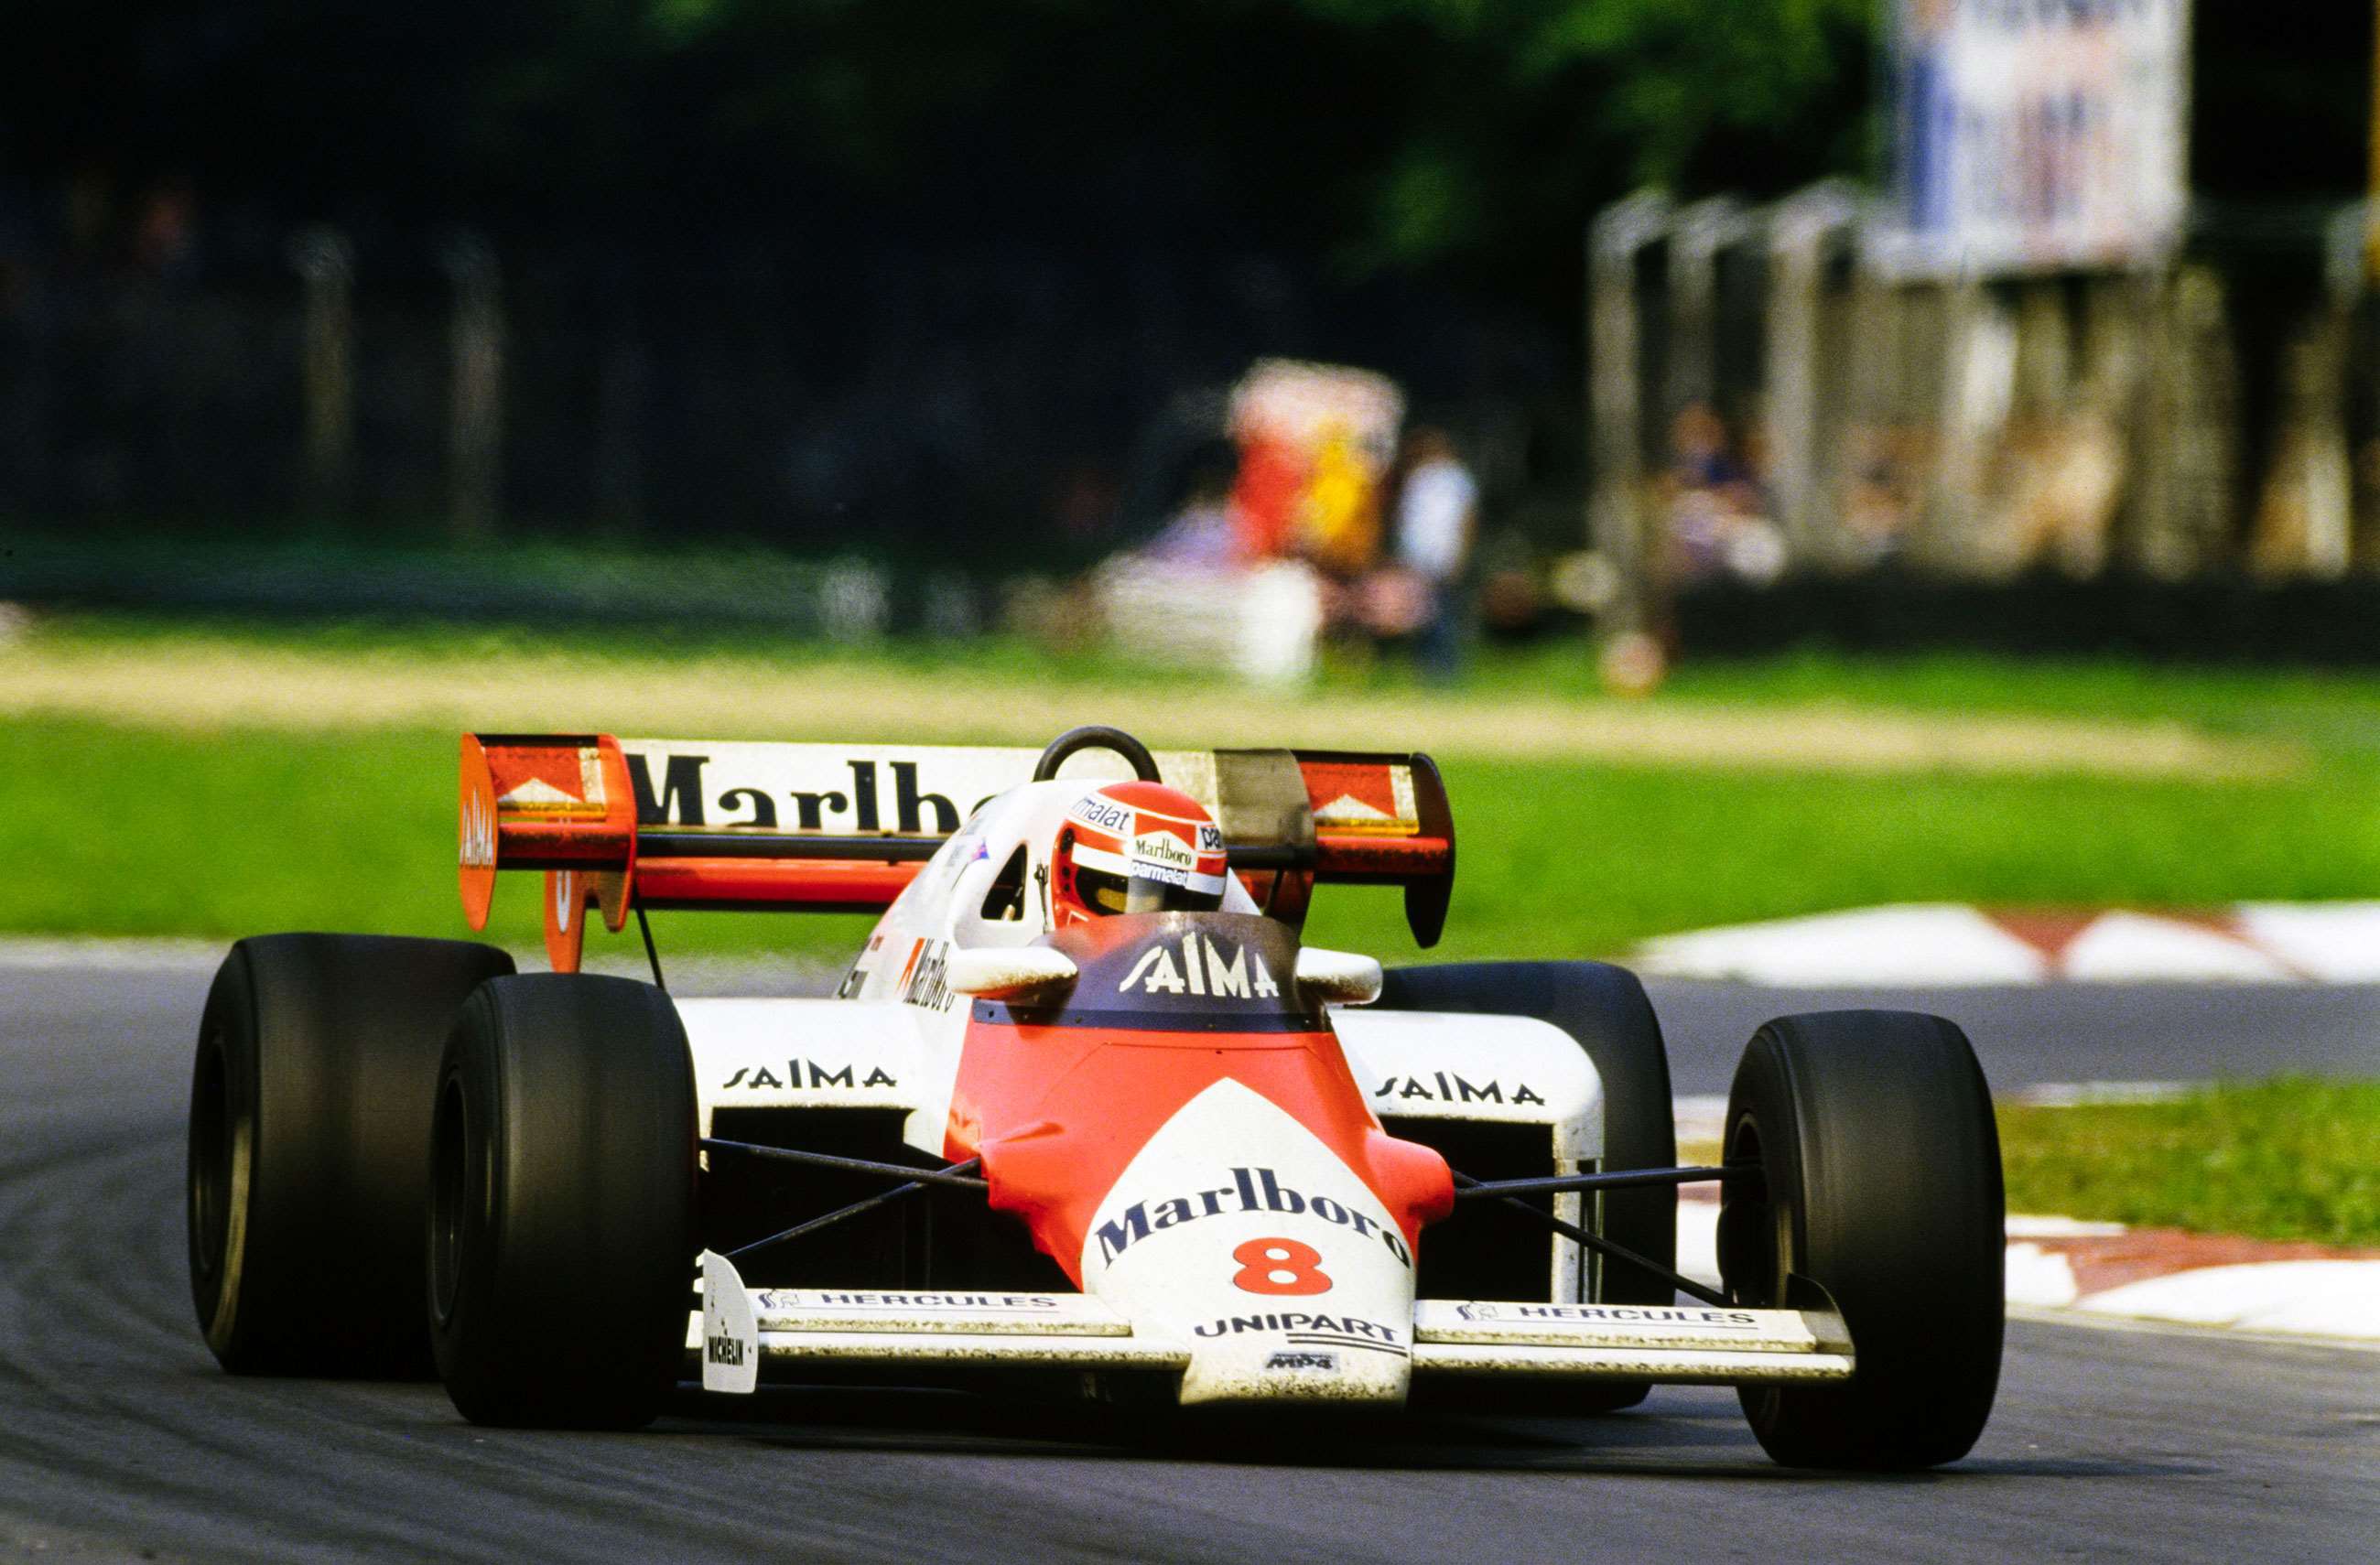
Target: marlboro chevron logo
x=548 y=782
x=1250 y=1190
x=1369 y=797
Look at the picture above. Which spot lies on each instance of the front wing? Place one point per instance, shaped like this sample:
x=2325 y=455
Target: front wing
x=743 y=1332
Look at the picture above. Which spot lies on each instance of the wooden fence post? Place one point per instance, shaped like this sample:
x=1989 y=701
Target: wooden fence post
x=325 y=264
x=1802 y=467
x=474 y=407
x=1697 y=235
x=1615 y=401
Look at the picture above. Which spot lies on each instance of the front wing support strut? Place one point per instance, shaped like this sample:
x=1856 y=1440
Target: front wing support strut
x=949 y=1176
x=1619 y=1178
x=828 y=1219
x=1464 y=1185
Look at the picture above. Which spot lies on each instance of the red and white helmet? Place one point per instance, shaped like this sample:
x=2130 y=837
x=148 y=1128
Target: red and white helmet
x=1136 y=847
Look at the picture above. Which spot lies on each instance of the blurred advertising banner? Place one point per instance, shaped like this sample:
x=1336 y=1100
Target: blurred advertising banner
x=2037 y=135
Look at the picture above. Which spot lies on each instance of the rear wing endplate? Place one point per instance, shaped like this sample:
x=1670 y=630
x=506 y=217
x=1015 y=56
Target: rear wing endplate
x=673 y=823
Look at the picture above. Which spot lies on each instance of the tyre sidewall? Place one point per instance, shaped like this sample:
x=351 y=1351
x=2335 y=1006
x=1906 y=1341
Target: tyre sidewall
x=223 y=1092
x=314 y=1066
x=574 y=1233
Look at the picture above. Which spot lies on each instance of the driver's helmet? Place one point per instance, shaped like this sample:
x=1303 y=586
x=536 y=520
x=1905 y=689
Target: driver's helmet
x=1134 y=847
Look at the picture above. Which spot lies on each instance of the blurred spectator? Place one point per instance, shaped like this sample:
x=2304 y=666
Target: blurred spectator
x=1264 y=496
x=1339 y=515
x=1717 y=505
x=1203 y=534
x=1881 y=497
x=2059 y=481
x=1437 y=509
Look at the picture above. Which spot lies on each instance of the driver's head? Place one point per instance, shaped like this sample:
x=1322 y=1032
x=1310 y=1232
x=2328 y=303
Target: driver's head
x=1134 y=847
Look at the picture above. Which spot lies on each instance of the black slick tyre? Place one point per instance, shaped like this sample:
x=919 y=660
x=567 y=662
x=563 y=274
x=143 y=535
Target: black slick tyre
x=1880 y=1185
x=1605 y=1011
x=561 y=1227
x=308 y=1163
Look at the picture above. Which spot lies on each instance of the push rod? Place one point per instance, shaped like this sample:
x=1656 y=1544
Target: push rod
x=1618 y=1179
x=829 y=1219
x=1613 y=1249
x=645 y=927
x=851 y=1165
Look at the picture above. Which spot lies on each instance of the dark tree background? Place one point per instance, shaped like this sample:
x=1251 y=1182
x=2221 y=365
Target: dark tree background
x=1402 y=162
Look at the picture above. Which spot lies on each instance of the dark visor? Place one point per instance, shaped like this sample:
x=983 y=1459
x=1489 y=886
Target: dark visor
x=1104 y=892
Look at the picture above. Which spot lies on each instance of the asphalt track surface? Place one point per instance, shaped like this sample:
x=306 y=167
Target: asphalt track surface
x=119 y=1438
x=2027 y=1035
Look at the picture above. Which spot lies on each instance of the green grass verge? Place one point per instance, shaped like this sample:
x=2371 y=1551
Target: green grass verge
x=2336 y=712
x=2289 y=1158
x=114 y=829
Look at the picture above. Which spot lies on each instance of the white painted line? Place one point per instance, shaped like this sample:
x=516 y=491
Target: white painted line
x=36 y=951
x=2075 y=1095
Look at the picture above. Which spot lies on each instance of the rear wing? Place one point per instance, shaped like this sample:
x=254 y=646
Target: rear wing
x=678 y=823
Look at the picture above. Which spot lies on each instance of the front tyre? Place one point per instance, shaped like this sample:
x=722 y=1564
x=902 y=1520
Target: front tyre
x=561 y=1204
x=1880 y=1183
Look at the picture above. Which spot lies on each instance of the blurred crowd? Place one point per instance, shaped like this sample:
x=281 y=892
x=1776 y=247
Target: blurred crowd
x=1377 y=516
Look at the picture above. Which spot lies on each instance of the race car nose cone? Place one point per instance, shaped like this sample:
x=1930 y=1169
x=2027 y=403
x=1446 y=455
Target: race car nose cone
x=1239 y=1232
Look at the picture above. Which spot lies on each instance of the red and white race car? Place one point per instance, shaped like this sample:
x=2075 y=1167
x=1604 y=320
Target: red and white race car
x=1083 y=1111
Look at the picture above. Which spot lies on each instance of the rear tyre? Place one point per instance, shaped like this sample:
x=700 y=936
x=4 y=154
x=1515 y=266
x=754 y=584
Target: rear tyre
x=1604 y=1009
x=562 y=1209
x=1881 y=1185
x=309 y=1151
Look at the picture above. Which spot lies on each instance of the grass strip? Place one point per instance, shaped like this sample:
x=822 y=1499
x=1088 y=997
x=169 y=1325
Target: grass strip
x=2320 y=705
x=2293 y=1157
x=203 y=684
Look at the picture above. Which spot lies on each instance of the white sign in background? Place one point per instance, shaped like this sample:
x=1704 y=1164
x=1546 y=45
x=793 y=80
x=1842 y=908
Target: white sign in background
x=2036 y=135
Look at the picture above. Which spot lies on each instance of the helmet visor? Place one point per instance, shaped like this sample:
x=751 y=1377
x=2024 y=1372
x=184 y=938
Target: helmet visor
x=1152 y=872
x=1145 y=891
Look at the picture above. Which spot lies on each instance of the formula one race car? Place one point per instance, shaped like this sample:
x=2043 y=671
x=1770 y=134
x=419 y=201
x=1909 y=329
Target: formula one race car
x=1084 y=1113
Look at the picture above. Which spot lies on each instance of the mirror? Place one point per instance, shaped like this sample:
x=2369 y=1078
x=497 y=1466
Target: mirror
x=1338 y=978
x=1009 y=973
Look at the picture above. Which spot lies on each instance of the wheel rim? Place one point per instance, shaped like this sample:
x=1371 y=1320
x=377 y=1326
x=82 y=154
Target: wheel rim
x=1755 y=1246
x=1754 y=1241
x=211 y=1140
x=450 y=1184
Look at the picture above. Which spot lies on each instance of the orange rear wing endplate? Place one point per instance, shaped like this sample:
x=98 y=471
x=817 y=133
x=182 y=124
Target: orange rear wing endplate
x=668 y=823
